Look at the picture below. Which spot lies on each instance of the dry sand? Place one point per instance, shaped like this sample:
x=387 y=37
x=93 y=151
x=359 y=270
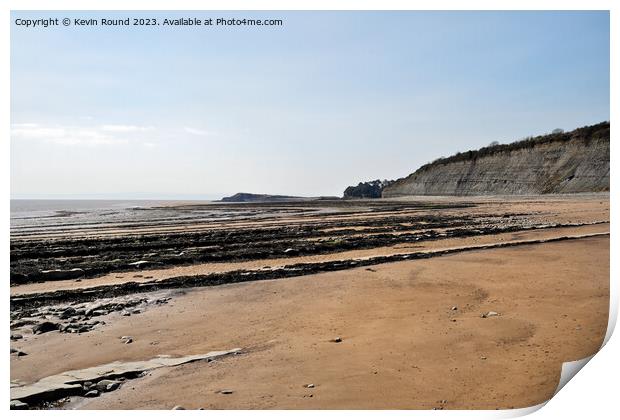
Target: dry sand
x=402 y=344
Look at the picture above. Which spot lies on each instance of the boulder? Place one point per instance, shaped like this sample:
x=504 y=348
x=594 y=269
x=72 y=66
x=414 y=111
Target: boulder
x=45 y=326
x=139 y=264
x=59 y=274
x=18 y=405
x=67 y=313
x=106 y=385
x=112 y=386
x=18 y=278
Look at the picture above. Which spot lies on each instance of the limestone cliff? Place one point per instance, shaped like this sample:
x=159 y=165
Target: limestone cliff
x=572 y=162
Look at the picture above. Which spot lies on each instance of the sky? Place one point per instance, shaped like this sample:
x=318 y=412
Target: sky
x=324 y=101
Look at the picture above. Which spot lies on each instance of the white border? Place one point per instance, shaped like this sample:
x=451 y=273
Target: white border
x=593 y=393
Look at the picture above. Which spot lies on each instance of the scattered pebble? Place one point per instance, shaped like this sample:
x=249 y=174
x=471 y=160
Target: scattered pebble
x=226 y=391
x=337 y=340
x=489 y=314
x=178 y=407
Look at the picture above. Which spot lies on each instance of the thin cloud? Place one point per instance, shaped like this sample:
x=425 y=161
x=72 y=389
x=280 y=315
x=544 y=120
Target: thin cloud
x=37 y=132
x=197 y=131
x=119 y=128
x=24 y=125
x=66 y=135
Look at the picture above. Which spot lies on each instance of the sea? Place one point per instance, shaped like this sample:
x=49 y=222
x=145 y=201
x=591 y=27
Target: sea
x=36 y=215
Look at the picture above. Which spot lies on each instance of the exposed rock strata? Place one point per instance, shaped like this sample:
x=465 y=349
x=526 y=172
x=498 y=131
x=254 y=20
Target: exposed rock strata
x=559 y=163
x=22 y=304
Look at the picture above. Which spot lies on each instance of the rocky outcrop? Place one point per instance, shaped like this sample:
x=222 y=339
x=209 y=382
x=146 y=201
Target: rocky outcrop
x=370 y=189
x=102 y=378
x=558 y=163
x=249 y=198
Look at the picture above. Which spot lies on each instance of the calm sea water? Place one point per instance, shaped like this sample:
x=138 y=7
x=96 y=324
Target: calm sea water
x=39 y=207
x=63 y=216
x=42 y=214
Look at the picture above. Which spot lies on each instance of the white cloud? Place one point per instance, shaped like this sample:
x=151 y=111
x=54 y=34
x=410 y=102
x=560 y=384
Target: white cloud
x=25 y=125
x=197 y=132
x=119 y=128
x=34 y=131
x=76 y=135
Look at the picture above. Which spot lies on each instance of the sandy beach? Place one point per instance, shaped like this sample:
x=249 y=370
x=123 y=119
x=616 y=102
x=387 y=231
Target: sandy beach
x=393 y=324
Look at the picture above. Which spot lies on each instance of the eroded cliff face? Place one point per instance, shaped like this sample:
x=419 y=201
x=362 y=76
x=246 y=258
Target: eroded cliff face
x=572 y=162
